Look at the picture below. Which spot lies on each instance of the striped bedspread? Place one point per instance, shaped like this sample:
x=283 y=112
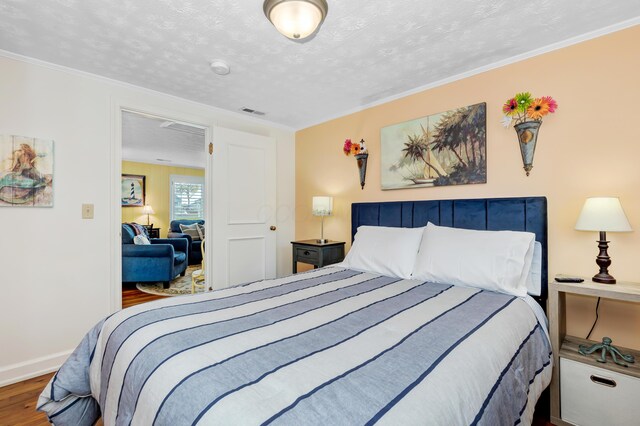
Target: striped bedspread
x=331 y=346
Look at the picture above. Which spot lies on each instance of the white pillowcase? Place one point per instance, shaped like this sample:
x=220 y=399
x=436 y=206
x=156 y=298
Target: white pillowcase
x=141 y=240
x=384 y=250
x=492 y=260
x=534 y=282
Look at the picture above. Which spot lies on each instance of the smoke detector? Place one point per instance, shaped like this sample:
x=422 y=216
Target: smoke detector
x=220 y=67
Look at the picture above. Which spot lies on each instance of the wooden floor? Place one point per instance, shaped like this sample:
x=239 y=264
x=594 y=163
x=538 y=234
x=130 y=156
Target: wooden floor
x=132 y=296
x=18 y=401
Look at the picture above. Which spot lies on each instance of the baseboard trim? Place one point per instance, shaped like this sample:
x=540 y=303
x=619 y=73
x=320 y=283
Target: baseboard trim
x=25 y=370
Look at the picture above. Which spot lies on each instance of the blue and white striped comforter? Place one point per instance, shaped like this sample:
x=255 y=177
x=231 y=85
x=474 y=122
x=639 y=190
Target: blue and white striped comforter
x=331 y=346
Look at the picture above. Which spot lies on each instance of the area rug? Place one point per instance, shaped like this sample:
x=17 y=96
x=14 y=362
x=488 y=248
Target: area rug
x=177 y=287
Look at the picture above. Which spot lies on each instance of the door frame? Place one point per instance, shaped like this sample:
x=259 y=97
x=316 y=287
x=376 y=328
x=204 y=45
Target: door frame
x=118 y=106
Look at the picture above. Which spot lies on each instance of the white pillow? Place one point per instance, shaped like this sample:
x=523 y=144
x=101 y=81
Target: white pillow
x=141 y=240
x=491 y=260
x=384 y=250
x=534 y=282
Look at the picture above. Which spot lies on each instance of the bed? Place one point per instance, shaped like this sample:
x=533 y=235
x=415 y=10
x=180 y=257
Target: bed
x=334 y=345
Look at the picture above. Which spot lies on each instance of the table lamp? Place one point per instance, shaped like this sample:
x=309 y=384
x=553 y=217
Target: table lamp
x=603 y=214
x=147 y=209
x=322 y=206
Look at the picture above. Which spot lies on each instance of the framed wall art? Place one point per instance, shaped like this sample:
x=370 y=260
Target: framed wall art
x=133 y=190
x=26 y=171
x=447 y=148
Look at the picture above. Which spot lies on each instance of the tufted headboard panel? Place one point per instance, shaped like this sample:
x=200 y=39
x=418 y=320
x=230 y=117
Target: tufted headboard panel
x=494 y=214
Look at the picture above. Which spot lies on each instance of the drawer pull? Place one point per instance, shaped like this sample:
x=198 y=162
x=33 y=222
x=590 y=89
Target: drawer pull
x=603 y=381
x=307 y=252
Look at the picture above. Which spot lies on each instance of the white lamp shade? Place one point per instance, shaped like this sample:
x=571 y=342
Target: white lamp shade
x=296 y=19
x=603 y=214
x=322 y=206
x=148 y=210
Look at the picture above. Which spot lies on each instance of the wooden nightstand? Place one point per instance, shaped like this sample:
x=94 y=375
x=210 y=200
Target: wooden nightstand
x=578 y=394
x=316 y=254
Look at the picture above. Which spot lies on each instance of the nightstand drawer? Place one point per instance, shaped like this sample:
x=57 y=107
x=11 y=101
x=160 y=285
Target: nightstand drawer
x=307 y=254
x=595 y=396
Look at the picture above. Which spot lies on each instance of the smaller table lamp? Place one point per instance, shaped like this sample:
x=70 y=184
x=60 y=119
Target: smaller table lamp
x=603 y=214
x=322 y=206
x=147 y=209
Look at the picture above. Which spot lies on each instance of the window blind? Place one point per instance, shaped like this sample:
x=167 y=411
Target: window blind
x=187 y=198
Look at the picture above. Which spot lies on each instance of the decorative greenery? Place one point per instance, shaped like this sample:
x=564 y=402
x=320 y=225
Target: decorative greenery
x=523 y=107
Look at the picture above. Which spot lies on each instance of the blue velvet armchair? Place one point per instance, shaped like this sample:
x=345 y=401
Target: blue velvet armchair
x=161 y=261
x=195 y=254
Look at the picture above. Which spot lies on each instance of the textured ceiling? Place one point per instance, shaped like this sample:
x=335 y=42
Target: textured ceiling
x=365 y=51
x=154 y=140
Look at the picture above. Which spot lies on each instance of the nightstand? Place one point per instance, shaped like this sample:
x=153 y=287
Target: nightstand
x=317 y=254
x=153 y=232
x=584 y=391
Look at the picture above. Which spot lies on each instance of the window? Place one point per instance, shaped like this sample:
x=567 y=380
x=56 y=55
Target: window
x=187 y=197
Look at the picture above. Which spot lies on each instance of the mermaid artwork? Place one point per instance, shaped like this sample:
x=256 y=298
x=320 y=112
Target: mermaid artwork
x=23 y=182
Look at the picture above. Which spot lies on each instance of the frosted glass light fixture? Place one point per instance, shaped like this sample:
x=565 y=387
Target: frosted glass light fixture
x=296 y=19
x=603 y=214
x=322 y=206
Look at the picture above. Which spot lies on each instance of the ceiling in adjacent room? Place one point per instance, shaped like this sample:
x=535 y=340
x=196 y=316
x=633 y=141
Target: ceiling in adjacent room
x=148 y=139
x=365 y=51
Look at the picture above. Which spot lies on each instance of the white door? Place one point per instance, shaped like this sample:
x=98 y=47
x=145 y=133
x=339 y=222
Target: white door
x=243 y=206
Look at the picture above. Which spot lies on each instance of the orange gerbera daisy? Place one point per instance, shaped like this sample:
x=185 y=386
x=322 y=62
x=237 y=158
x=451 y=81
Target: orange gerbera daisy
x=355 y=148
x=538 y=109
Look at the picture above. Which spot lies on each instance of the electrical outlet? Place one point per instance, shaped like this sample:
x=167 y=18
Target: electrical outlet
x=87 y=211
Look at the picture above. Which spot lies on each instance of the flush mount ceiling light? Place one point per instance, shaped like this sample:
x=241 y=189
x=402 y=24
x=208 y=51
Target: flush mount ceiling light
x=220 y=67
x=296 y=19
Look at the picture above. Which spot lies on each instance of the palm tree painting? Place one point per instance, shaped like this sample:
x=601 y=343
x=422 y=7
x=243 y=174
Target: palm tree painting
x=442 y=149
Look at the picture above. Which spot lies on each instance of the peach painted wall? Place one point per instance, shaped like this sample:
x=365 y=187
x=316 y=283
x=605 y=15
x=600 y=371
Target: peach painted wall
x=589 y=147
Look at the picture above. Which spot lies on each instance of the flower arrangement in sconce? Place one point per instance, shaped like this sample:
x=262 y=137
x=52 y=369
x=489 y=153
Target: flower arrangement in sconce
x=359 y=151
x=525 y=113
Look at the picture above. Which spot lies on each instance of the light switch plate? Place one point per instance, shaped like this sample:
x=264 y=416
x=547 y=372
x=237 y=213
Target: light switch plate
x=87 y=211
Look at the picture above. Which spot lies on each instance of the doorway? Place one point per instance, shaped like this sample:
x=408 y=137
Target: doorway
x=164 y=164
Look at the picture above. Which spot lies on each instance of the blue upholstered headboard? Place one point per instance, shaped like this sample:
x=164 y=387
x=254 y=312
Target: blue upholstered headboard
x=494 y=214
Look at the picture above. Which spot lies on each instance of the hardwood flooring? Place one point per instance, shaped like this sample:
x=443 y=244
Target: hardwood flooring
x=18 y=401
x=132 y=296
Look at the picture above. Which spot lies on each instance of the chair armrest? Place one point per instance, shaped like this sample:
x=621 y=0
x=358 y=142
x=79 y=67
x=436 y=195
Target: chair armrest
x=178 y=244
x=148 y=250
x=180 y=235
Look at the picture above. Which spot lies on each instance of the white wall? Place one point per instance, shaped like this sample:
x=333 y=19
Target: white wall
x=55 y=279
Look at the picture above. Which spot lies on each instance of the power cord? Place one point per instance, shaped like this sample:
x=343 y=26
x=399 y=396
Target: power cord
x=596 y=321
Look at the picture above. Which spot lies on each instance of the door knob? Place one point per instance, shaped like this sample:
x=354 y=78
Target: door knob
x=273 y=228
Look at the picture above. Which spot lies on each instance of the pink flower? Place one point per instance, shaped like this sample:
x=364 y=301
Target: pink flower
x=553 y=105
x=510 y=107
x=347 y=147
